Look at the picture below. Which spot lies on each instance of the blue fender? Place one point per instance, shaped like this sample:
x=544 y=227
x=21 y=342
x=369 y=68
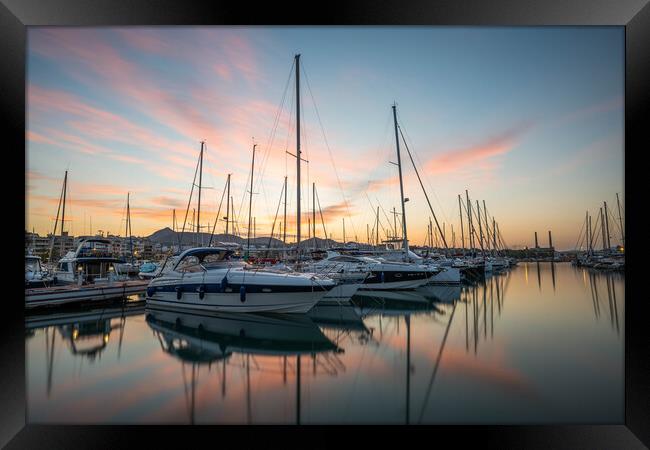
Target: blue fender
x=150 y=291
x=242 y=293
x=224 y=284
x=179 y=292
x=201 y=290
x=382 y=277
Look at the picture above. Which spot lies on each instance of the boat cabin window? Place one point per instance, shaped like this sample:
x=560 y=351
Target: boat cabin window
x=63 y=267
x=189 y=264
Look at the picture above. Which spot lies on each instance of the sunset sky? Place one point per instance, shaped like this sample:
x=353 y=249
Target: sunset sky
x=528 y=119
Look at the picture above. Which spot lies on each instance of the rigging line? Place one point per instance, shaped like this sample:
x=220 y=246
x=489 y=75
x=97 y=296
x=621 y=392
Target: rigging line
x=275 y=219
x=444 y=240
x=435 y=370
x=579 y=242
x=321 y=217
x=374 y=213
x=338 y=179
x=180 y=238
x=271 y=139
x=218 y=212
x=420 y=163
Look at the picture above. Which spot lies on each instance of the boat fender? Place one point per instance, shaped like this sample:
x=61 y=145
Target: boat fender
x=150 y=291
x=242 y=293
x=224 y=284
x=382 y=277
x=179 y=292
x=201 y=290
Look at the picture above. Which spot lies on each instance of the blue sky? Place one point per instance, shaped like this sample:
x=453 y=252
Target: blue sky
x=528 y=119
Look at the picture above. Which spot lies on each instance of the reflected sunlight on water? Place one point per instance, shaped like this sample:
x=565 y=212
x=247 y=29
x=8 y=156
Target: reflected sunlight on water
x=541 y=343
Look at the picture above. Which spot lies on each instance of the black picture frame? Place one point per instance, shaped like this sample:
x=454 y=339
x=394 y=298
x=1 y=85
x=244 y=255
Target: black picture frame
x=634 y=15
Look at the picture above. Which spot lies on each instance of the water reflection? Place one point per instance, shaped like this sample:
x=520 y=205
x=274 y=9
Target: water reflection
x=609 y=281
x=85 y=331
x=497 y=351
x=206 y=338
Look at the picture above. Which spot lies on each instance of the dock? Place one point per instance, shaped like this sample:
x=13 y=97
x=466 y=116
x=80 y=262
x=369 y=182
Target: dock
x=59 y=295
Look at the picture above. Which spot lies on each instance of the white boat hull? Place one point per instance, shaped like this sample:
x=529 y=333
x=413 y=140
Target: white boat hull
x=448 y=275
x=73 y=294
x=408 y=284
x=281 y=302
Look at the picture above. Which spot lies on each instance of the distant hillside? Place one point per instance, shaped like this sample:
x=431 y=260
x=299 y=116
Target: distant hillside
x=168 y=237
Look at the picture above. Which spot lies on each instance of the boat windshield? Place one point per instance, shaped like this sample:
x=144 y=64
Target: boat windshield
x=214 y=260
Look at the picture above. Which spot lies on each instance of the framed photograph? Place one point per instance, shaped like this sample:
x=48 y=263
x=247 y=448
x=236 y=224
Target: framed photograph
x=406 y=215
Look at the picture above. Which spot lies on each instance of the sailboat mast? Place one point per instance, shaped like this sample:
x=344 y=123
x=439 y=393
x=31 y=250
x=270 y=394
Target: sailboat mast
x=401 y=185
x=602 y=229
x=487 y=226
x=469 y=222
x=344 y=231
x=250 y=204
x=56 y=224
x=65 y=190
x=462 y=230
x=298 y=150
x=128 y=213
x=480 y=228
x=620 y=219
x=284 y=236
x=377 y=229
x=607 y=226
x=198 y=212
x=228 y=204
x=313 y=213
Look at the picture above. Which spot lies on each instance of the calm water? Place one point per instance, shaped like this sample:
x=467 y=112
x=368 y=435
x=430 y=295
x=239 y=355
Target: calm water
x=540 y=343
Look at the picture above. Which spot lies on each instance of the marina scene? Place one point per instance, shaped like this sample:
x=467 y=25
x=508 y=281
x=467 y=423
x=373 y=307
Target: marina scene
x=456 y=272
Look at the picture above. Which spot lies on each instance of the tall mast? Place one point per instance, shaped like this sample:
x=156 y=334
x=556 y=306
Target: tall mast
x=228 y=204
x=607 y=227
x=480 y=228
x=56 y=222
x=494 y=235
x=128 y=213
x=462 y=229
x=198 y=212
x=284 y=236
x=602 y=228
x=343 y=230
x=377 y=228
x=591 y=236
x=313 y=213
x=298 y=150
x=487 y=227
x=395 y=221
x=587 y=231
x=620 y=219
x=65 y=190
x=401 y=186
x=469 y=223
x=250 y=204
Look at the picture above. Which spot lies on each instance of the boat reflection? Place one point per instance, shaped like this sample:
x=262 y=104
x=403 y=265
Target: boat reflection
x=86 y=331
x=608 y=281
x=392 y=303
x=207 y=338
x=440 y=293
x=341 y=322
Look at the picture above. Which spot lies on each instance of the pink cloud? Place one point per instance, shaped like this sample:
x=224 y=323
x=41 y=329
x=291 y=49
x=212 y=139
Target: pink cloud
x=481 y=153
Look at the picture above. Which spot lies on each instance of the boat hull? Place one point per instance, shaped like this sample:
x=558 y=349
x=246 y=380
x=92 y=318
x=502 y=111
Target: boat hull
x=280 y=302
x=448 y=275
x=62 y=295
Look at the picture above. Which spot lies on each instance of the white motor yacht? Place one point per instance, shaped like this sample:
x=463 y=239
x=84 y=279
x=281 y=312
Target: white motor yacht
x=93 y=261
x=205 y=278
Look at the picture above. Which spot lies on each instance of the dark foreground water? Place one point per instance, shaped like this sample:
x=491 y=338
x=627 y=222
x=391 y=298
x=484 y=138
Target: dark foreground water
x=541 y=343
